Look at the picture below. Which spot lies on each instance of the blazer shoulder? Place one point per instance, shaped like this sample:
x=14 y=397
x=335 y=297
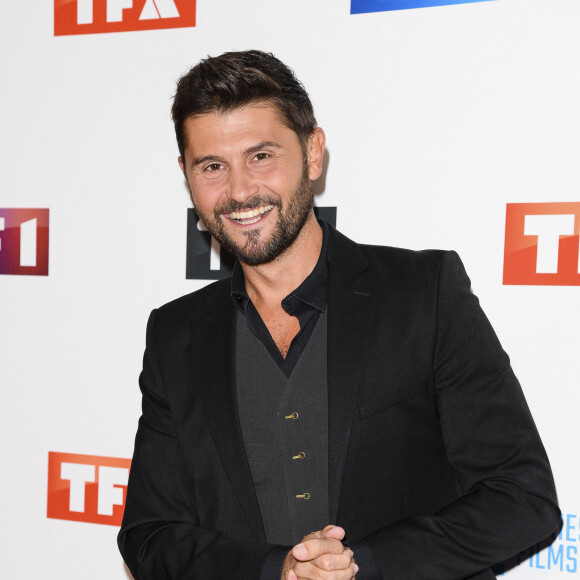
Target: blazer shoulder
x=405 y=257
x=412 y=271
x=401 y=266
x=404 y=263
x=195 y=303
x=347 y=250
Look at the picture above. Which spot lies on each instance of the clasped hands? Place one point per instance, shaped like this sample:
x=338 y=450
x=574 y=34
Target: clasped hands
x=320 y=556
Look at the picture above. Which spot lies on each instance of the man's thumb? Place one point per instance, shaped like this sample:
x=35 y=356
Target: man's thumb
x=334 y=532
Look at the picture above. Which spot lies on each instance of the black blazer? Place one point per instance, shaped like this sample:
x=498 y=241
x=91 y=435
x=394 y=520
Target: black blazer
x=434 y=459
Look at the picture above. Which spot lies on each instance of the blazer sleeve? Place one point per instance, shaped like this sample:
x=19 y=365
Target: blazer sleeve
x=508 y=499
x=159 y=537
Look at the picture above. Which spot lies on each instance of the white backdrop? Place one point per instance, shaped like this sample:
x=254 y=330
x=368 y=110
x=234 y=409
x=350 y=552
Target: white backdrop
x=436 y=118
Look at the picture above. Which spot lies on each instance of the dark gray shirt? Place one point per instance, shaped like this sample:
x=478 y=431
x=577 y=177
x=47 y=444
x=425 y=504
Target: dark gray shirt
x=306 y=302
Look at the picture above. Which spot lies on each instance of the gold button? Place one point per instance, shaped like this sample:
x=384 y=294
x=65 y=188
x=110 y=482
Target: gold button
x=303 y=496
x=301 y=455
x=292 y=416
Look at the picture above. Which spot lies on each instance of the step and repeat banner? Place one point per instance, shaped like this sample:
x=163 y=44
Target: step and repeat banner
x=450 y=124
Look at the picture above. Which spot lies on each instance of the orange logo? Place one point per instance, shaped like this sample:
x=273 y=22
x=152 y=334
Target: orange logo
x=542 y=243
x=94 y=16
x=87 y=488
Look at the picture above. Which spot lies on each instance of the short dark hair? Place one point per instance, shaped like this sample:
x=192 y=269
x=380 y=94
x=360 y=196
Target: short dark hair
x=234 y=79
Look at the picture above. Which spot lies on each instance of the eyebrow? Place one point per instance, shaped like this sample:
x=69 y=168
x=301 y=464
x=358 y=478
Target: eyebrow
x=262 y=145
x=200 y=160
x=254 y=149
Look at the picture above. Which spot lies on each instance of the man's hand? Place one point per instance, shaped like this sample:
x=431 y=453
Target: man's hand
x=320 y=556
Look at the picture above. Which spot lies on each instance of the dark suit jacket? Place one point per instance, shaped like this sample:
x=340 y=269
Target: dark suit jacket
x=434 y=459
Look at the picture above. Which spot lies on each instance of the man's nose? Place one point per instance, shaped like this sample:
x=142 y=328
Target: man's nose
x=242 y=184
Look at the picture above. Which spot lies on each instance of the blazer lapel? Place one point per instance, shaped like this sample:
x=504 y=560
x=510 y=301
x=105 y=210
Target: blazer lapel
x=351 y=303
x=213 y=371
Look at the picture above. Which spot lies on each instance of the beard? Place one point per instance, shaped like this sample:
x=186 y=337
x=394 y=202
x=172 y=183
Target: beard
x=256 y=251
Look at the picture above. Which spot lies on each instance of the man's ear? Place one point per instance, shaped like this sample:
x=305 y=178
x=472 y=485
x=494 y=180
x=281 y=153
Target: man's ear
x=180 y=161
x=315 y=153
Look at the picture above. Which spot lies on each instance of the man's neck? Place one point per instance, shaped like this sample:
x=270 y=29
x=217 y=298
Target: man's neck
x=268 y=284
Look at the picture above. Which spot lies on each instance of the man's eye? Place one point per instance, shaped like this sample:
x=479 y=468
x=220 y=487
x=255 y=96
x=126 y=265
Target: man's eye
x=261 y=156
x=213 y=167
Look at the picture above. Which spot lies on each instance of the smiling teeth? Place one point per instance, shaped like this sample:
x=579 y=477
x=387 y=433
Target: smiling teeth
x=253 y=213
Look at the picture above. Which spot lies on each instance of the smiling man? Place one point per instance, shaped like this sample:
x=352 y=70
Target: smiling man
x=249 y=182
x=333 y=410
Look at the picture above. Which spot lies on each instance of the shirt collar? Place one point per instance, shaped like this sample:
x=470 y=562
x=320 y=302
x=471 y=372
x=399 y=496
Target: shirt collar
x=313 y=291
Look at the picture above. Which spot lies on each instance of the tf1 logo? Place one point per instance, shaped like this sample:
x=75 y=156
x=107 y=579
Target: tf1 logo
x=95 y=16
x=24 y=241
x=542 y=244
x=87 y=488
x=205 y=259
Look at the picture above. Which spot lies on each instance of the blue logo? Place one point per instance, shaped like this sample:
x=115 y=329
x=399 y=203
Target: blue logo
x=559 y=552
x=363 y=6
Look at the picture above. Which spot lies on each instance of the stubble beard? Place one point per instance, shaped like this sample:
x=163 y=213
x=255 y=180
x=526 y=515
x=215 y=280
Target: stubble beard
x=256 y=251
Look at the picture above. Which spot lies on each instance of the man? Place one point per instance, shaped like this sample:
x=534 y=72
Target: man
x=333 y=410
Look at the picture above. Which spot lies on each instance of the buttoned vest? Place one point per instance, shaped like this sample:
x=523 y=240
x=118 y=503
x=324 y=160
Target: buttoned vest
x=284 y=424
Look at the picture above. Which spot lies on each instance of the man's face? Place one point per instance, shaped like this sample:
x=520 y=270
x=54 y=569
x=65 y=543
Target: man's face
x=250 y=179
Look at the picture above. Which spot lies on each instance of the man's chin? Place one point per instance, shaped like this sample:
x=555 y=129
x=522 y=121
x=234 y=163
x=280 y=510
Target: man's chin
x=255 y=256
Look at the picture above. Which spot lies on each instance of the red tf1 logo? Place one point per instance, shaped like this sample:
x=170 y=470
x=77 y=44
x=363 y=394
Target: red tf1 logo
x=24 y=241
x=87 y=488
x=95 y=16
x=542 y=244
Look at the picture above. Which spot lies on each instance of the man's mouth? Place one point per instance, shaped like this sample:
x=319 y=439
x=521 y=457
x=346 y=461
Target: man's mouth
x=249 y=217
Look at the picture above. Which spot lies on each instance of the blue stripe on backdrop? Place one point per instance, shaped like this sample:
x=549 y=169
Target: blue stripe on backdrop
x=363 y=6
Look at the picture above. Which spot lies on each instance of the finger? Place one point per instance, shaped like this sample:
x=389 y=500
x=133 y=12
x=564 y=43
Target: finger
x=291 y=575
x=335 y=532
x=331 y=562
x=310 y=549
x=307 y=571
